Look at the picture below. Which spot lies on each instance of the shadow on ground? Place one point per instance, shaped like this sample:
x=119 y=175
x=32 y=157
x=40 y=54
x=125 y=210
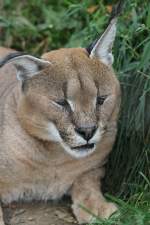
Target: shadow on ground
x=39 y=213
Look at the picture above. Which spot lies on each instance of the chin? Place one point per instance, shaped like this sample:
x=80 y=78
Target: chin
x=79 y=151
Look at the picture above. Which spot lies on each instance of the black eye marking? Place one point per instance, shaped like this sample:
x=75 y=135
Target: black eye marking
x=101 y=99
x=63 y=103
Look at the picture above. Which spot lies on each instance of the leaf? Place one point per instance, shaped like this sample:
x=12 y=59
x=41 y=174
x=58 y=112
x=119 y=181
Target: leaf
x=148 y=18
x=145 y=58
x=21 y=22
x=109 y=8
x=92 y=9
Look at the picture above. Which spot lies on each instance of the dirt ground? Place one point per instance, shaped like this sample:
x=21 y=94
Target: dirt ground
x=39 y=213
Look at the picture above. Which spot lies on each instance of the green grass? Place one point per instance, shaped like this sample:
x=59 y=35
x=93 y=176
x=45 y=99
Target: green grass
x=132 y=64
x=134 y=212
x=39 y=26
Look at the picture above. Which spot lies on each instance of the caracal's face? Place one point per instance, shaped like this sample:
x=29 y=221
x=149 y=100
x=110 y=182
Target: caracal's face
x=70 y=102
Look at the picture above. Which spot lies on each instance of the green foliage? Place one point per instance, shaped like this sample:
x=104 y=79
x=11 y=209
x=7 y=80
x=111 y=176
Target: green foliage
x=136 y=211
x=132 y=149
x=40 y=25
x=37 y=26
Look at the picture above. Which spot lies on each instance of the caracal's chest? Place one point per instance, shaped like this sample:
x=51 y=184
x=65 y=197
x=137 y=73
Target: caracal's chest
x=46 y=179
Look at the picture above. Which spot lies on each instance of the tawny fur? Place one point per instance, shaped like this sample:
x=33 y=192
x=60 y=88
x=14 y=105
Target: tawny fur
x=32 y=166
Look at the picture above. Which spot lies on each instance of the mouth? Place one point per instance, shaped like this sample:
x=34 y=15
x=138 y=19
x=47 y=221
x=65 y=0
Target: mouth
x=80 y=151
x=87 y=147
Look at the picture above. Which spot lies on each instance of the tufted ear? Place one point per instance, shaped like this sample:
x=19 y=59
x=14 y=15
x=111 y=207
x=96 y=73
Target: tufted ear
x=27 y=66
x=102 y=49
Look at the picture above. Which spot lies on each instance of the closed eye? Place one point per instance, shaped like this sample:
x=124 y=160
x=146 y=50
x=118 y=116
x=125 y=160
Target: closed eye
x=101 y=99
x=62 y=102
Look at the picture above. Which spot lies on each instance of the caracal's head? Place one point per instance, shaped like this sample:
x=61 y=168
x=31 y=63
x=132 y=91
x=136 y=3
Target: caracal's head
x=69 y=95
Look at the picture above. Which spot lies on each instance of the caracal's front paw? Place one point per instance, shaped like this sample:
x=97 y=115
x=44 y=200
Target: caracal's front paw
x=81 y=214
x=106 y=209
x=85 y=212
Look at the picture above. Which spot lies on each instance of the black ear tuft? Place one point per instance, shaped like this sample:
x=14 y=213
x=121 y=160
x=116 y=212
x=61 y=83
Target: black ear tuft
x=91 y=46
x=10 y=56
x=117 y=9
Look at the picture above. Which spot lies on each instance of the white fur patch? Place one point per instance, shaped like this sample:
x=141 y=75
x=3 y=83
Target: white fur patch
x=78 y=140
x=96 y=137
x=71 y=105
x=53 y=133
x=98 y=134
